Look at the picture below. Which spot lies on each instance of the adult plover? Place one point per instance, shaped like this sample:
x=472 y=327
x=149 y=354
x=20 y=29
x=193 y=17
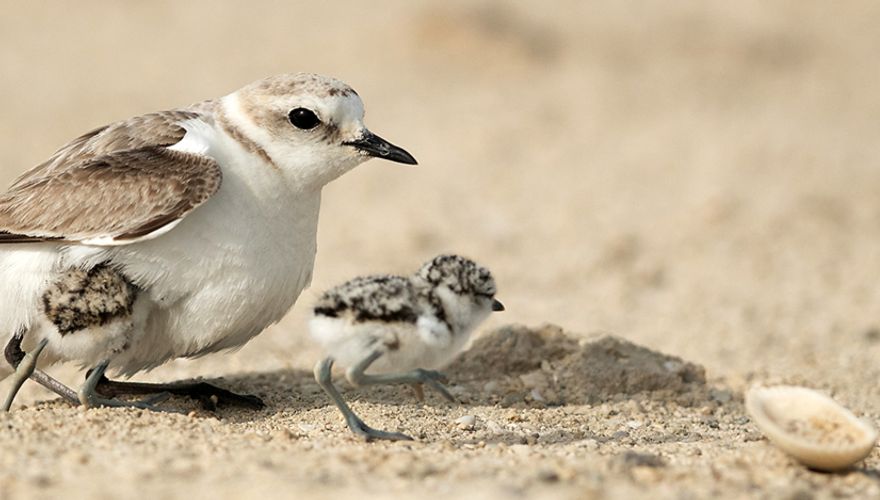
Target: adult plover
x=400 y=328
x=173 y=234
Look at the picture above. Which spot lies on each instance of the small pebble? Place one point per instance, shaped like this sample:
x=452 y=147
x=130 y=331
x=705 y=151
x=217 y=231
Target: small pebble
x=466 y=422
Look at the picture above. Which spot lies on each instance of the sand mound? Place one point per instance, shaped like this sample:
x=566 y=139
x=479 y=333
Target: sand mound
x=545 y=366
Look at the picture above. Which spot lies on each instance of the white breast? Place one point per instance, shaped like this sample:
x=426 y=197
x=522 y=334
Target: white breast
x=231 y=267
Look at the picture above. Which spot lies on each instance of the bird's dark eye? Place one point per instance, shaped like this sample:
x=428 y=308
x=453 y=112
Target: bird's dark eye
x=303 y=118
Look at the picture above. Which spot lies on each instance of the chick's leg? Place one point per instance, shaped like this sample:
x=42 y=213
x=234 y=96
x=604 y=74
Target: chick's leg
x=324 y=379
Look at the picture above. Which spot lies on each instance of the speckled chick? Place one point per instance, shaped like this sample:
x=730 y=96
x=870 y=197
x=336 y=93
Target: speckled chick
x=398 y=330
x=93 y=312
x=420 y=321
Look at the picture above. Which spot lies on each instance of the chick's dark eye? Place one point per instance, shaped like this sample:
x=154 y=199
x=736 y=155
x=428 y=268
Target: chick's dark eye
x=303 y=118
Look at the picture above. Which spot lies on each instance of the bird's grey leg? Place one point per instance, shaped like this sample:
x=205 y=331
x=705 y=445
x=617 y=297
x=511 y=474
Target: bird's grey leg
x=15 y=356
x=51 y=383
x=432 y=378
x=90 y=398
x=324 y=379
x=209 y=395
x=24 y=364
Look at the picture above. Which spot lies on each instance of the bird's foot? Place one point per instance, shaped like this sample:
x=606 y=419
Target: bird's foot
x=89 y=397
x=208 y=395
x=366 y=432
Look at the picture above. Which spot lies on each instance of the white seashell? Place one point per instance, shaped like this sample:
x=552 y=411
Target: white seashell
x=810 y=426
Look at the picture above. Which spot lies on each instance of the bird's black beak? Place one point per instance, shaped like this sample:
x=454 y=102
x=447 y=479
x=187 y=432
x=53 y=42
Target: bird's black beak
x=378 y=147
x=497 y=306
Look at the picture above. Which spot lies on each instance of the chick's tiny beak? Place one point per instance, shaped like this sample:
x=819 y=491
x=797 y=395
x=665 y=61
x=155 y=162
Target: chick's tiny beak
x=378 y=147
x=497 y=306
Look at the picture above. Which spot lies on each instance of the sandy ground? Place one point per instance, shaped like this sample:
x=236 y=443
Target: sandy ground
x=697 y=178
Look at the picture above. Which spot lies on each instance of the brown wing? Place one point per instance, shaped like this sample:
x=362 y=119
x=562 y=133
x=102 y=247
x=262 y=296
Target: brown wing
x=153 y=129
x=118 y=182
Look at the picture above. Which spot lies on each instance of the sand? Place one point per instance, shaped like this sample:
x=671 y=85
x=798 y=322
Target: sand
x=689 y=191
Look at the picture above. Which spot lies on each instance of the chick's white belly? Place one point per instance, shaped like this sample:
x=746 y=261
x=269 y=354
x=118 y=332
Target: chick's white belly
x=404 y=347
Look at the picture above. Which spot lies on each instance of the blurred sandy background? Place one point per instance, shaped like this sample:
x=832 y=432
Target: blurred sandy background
x=697 y=177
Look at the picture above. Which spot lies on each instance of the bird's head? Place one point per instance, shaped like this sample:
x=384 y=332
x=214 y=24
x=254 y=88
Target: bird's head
x=466 y=289
x=311 y=126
